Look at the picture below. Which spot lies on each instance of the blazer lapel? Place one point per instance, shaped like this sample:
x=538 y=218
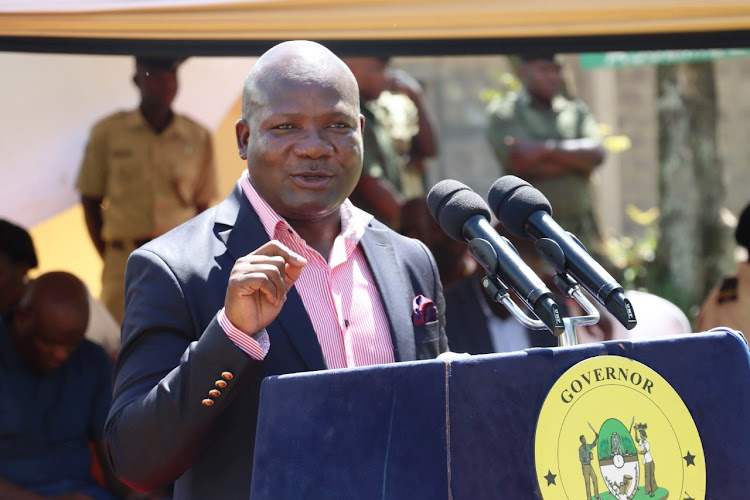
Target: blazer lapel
x=394 y=292
x=295 y=323
x=240 y=229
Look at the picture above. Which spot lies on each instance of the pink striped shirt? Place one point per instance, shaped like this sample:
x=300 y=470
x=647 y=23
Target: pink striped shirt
x=339 y=294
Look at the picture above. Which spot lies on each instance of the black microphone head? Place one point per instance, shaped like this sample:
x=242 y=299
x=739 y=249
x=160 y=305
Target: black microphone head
x=513 y=200
x=451 y=203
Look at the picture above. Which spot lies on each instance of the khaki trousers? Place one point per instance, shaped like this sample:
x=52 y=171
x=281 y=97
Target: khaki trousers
x=113 y=278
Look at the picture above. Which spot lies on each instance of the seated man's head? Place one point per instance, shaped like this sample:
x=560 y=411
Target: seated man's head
x=301 y=130
x=50 y=321
x=17 y=257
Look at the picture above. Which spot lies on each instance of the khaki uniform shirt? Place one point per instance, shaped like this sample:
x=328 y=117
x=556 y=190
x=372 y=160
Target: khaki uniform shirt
x=569 y=194
x=150 y=182
x=728 y=304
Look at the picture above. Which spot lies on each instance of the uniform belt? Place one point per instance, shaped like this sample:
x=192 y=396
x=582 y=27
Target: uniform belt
x=121 y=244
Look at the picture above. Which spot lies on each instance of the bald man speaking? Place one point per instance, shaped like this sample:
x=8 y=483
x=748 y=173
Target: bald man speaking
x=284 y=276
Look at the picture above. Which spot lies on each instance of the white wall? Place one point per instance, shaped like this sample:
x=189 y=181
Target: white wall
x=48 y=102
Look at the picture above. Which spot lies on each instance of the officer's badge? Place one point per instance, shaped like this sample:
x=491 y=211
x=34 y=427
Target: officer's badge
x=728 y=290
x=613 y=428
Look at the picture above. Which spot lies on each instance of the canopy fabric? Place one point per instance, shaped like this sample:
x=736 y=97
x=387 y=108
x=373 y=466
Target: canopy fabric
x=364 y=19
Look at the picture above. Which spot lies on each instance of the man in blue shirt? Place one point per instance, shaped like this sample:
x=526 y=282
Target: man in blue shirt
x=55 y=389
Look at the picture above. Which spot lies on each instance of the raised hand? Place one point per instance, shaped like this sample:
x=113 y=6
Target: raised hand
x=258 y=285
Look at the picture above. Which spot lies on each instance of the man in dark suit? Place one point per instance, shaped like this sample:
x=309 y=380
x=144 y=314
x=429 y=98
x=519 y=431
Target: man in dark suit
x=285 y=275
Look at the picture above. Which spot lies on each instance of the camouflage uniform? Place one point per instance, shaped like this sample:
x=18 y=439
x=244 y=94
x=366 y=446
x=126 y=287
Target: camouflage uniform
x=380 y=159
x=400 y=116
x=150 y=183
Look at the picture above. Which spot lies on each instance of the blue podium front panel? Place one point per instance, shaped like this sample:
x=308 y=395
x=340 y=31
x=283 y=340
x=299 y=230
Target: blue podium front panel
x=467 y=429
x=364 y=433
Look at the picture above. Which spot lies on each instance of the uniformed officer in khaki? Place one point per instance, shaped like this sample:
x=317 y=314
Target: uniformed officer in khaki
x=551 y=141
x=728 y=304
x=144 y=172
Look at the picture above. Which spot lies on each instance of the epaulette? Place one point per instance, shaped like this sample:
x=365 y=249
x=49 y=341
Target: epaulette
x=728 y=290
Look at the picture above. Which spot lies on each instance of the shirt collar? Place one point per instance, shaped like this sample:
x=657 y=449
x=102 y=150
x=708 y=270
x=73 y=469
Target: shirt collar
x=353 y=220
x=559 y=102
x=177 y=126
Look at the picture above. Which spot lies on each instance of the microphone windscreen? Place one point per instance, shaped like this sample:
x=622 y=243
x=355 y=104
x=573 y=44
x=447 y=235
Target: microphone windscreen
x=513 y=200
x=452 y=203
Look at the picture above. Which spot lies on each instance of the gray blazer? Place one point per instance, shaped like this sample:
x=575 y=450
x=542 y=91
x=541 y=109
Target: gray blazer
x=173 y=350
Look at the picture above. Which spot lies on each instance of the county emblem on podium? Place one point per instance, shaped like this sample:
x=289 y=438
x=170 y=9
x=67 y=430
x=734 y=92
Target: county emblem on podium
x=612 y=428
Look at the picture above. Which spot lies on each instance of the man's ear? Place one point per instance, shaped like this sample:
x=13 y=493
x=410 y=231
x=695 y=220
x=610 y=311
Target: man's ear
x=243 y=134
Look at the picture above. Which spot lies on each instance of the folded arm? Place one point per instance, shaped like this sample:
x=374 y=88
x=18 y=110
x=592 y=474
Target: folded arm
x=550 y=158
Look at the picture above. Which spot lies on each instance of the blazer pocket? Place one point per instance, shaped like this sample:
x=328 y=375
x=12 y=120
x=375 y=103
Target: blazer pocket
x=427 y=338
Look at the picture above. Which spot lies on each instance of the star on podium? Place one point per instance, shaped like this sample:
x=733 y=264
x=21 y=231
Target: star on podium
x=550 y=477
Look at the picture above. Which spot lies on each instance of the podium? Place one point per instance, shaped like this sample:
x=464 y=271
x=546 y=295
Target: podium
x=468 y=428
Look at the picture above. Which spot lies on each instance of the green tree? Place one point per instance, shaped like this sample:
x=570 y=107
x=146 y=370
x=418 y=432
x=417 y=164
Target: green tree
x=691 y=241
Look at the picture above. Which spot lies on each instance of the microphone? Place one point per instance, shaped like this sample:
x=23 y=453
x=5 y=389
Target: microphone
x=464 y=216
x=525 y=212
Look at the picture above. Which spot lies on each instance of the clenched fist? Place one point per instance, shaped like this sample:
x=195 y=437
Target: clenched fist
x=258 y=285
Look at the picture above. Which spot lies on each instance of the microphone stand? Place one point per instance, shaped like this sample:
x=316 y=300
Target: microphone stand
x=498 y=292
x=571 y=289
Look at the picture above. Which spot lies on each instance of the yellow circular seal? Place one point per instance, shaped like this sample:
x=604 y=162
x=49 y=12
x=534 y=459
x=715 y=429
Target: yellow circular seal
x=614 y=429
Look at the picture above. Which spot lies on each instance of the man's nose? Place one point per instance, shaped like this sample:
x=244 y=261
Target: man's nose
x=314 y=144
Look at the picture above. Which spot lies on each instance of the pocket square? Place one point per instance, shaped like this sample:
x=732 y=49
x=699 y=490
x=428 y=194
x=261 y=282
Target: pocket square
x=424 y=310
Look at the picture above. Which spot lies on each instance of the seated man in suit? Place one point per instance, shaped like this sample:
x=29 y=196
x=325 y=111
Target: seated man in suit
x=285 y=275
